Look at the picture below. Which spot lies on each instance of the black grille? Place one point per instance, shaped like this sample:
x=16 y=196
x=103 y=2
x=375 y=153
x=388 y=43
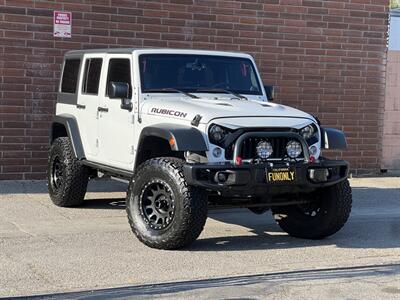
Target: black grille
x=249 y=148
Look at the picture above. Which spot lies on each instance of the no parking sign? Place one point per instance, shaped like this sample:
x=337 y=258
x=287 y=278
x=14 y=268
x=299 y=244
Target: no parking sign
x=62 y=23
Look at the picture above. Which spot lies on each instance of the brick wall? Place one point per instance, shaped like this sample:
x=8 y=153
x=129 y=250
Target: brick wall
x=326 y=57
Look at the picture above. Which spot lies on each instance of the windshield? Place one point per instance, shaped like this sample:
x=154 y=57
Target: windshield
x=198 y=73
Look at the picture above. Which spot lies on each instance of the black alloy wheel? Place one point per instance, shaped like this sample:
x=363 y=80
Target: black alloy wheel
x=57 y=174
x=311 y=209
x=157 y=204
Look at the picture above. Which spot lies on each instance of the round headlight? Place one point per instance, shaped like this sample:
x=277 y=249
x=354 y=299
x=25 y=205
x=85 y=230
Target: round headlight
x=217 y=133
x=307 y=131
x=293 y=149
x=264 y=149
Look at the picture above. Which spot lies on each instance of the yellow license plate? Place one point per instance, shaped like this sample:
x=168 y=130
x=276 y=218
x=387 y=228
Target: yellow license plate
x=281 y=175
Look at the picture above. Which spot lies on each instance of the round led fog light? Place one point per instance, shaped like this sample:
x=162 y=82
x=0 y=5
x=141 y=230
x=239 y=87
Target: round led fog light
x=217 y=152
x=293 y=149
x=264 y=149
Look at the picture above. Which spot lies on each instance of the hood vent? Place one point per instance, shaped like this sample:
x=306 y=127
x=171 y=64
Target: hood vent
x=223 y=104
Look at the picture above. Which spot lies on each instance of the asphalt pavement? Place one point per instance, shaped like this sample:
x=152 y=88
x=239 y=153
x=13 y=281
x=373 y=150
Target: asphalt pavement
x=90 y=251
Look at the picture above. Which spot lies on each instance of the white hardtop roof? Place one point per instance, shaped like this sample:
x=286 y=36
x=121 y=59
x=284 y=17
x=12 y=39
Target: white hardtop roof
x=155 y=51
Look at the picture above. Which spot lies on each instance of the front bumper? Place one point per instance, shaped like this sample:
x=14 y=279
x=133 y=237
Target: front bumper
x=250 y=180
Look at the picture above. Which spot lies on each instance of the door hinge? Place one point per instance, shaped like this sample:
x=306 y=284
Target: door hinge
x=97 y=143
x=133 y=119
x=132 y=149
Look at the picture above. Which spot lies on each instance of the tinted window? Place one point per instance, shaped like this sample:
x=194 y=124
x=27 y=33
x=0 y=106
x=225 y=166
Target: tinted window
x=70 y=76
x=119 y=70
x=193 y=73
x=91 y=76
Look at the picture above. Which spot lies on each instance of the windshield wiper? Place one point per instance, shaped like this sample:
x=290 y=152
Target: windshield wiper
x=215 y=90
x=172 y=90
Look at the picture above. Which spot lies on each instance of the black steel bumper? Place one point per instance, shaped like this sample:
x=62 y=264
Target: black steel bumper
x=250 y=180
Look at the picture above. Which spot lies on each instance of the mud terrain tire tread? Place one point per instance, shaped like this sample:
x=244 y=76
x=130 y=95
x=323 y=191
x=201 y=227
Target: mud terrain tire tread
x=75 y=175
x=338 y=203
x=193 y=211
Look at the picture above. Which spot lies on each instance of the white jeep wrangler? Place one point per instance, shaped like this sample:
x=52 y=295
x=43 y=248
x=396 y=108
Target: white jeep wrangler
x=190 y=129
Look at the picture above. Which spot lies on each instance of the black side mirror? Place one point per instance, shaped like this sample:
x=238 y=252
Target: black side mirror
x=120 y=90
x=269 y=90
x=333 y=139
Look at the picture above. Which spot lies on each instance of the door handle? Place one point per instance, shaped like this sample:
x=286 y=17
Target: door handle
x=103 y=109
x=80 y=106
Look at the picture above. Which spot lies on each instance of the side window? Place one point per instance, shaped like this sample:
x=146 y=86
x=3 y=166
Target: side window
x=254 y=83
x=119 y=70
x=70 y=76
x=91 y=77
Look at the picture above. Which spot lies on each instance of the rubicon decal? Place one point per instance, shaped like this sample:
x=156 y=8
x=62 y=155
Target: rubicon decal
x=169 y=112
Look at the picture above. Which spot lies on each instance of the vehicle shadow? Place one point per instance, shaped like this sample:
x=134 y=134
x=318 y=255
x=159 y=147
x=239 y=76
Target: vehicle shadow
x=106 y=203
x=104 y=187
x=374 y=223
x=40 y=186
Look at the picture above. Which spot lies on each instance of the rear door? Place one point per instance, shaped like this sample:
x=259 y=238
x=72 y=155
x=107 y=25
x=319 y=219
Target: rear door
x=116 y=125
x=88 y=101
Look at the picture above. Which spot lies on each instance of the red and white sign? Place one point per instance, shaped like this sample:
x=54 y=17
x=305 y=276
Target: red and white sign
x=62 y=24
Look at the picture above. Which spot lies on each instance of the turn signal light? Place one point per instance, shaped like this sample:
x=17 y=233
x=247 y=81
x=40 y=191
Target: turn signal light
x=318 y=175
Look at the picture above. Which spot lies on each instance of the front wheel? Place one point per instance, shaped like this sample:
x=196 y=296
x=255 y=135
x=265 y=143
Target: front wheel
x=323 y=216
x=163 y=211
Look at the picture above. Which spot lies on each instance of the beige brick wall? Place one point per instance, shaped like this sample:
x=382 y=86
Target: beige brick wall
x=391 y=128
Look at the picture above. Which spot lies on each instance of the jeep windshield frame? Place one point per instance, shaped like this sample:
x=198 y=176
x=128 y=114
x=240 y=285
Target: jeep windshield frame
x=198 y=73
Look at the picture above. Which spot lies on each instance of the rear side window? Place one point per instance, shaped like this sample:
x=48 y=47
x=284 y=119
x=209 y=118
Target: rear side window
x=119 y=70
x=91 y=77
x=70 y=76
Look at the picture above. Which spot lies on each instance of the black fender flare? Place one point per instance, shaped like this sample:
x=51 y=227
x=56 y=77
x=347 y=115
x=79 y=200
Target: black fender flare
x=179 y=137
x=333 y=139
x=71 y=127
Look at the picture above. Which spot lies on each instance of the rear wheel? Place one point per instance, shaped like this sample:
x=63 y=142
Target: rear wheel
x=67 y=178
x=163 y=211
x=323 y=216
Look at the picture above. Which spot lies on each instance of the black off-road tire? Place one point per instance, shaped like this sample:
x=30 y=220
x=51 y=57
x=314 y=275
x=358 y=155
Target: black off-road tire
x=68 y=188
x=190 y=205
x=331 y=209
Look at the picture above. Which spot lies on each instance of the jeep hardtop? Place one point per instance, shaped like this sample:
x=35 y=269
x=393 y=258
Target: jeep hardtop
x=189 y=129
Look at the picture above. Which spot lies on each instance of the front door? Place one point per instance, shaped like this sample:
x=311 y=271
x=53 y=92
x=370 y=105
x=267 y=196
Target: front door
x=116 y=128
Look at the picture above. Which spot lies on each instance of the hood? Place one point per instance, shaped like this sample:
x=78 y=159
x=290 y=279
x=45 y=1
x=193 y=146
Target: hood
x=211 y=109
